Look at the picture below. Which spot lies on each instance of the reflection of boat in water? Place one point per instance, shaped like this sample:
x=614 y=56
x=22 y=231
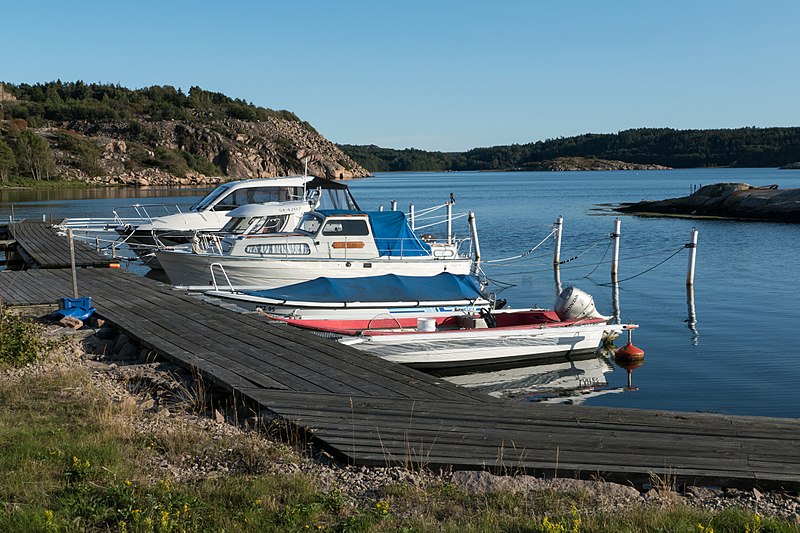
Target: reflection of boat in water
x=551 y=376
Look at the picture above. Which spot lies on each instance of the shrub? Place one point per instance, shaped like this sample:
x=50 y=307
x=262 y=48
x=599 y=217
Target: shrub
x=20 y=340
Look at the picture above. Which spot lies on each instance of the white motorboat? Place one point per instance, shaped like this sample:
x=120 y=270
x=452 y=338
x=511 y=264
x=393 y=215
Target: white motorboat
x=146 y=227
x=327 y=243
x=396 y=301
x=486 y=338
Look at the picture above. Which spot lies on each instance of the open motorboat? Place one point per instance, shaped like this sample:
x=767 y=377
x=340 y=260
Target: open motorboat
x=476 y=339
x=389 y=299
x=338 y=243
x=288 y=197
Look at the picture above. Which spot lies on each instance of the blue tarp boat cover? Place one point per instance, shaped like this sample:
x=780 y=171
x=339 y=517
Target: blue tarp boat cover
x=393 y=235
x=389 y=288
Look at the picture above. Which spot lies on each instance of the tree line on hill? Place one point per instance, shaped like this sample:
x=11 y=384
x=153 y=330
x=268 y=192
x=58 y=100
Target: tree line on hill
x=743 y=147
x=25 y=108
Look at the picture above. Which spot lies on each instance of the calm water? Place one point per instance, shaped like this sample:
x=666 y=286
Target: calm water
x=741 y=357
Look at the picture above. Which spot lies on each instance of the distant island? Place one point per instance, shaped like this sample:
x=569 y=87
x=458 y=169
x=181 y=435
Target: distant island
x=634 y=149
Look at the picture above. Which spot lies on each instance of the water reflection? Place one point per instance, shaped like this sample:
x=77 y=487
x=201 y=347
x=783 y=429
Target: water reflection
x=692 y=315
x=570 y=379
x=10 y=196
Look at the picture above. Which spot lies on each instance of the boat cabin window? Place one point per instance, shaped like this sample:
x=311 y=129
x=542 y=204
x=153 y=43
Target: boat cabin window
x=299 y=248
x=310 y=223
x=346 y=227
x=258 y=195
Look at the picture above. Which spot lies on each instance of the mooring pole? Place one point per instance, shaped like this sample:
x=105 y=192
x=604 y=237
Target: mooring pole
x=394 y=205
x=557 y=280
x=558 y=227
x=615 y=303
x=476 y=246
x=692 y=258
x=411 y=216
x=615 y=257
x=72 y=264
x=449 y=222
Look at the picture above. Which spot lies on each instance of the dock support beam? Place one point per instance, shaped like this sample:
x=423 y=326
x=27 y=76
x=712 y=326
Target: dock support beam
x=72 y=264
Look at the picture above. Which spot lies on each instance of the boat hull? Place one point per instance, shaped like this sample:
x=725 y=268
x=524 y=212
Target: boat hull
x=480 y=347
x=194 y=271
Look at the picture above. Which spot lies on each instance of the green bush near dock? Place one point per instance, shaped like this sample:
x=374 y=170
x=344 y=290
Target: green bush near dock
x=71 y=459
x=20 y=340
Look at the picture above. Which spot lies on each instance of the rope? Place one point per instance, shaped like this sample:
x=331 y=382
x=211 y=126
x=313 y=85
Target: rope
x=601 y=260
x=524 y=254
x=679 y=250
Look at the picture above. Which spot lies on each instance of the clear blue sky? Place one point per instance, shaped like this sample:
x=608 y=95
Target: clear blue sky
x=435 y=75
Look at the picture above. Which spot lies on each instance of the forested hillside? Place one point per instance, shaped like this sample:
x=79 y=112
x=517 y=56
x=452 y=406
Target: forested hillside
x=744 y=147
x=112 y=134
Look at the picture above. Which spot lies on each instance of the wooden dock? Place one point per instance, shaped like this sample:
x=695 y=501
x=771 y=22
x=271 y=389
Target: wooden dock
x=371 y=412
x=39 y=245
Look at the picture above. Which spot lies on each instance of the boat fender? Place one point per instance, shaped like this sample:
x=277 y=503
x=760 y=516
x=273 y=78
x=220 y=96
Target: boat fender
x=486 y=315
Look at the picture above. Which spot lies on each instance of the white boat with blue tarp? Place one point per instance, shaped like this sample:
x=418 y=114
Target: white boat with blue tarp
x=400 y=300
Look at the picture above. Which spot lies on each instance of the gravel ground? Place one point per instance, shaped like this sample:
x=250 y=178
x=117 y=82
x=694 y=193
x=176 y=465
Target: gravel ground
x=164 y=398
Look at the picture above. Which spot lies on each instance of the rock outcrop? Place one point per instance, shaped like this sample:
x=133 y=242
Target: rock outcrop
x=240 y=149
x=589 y=163
x=726 y=200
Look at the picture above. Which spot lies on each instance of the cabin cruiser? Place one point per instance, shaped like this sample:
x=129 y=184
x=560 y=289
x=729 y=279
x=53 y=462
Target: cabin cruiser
x=339 y=243
x=289 y=197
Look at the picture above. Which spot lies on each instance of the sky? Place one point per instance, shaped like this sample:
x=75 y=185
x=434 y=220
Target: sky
x=435 y=75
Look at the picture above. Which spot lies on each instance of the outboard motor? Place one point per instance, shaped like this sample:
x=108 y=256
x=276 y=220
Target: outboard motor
x=574 y=304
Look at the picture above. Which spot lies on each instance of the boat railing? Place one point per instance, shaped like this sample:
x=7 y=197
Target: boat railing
x=224 y=274
x=144 y=213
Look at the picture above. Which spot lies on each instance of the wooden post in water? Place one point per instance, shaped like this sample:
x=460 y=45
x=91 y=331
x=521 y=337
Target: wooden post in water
x=558 y=227
x=394 y=205
x=72 y=264
x=615 y=257
x=615 y=303
x=692 y=258
x=411 y=216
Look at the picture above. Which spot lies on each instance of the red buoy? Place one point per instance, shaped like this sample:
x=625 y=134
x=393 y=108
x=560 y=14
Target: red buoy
x=629 y=351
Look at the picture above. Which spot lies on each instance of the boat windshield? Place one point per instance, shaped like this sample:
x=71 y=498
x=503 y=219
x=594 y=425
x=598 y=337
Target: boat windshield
x=310 y=223
x=224 y=199
x=251 y=225
x=210 y=198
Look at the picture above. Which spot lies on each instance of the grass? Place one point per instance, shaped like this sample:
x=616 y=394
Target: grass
x=19 y=182
x=71 y=459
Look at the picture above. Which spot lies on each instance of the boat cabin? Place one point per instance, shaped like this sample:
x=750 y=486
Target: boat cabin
x=337 y=234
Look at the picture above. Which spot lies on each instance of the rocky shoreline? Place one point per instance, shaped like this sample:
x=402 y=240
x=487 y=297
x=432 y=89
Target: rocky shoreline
x=566 y=164
x=133 y=377
x=738 y=201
